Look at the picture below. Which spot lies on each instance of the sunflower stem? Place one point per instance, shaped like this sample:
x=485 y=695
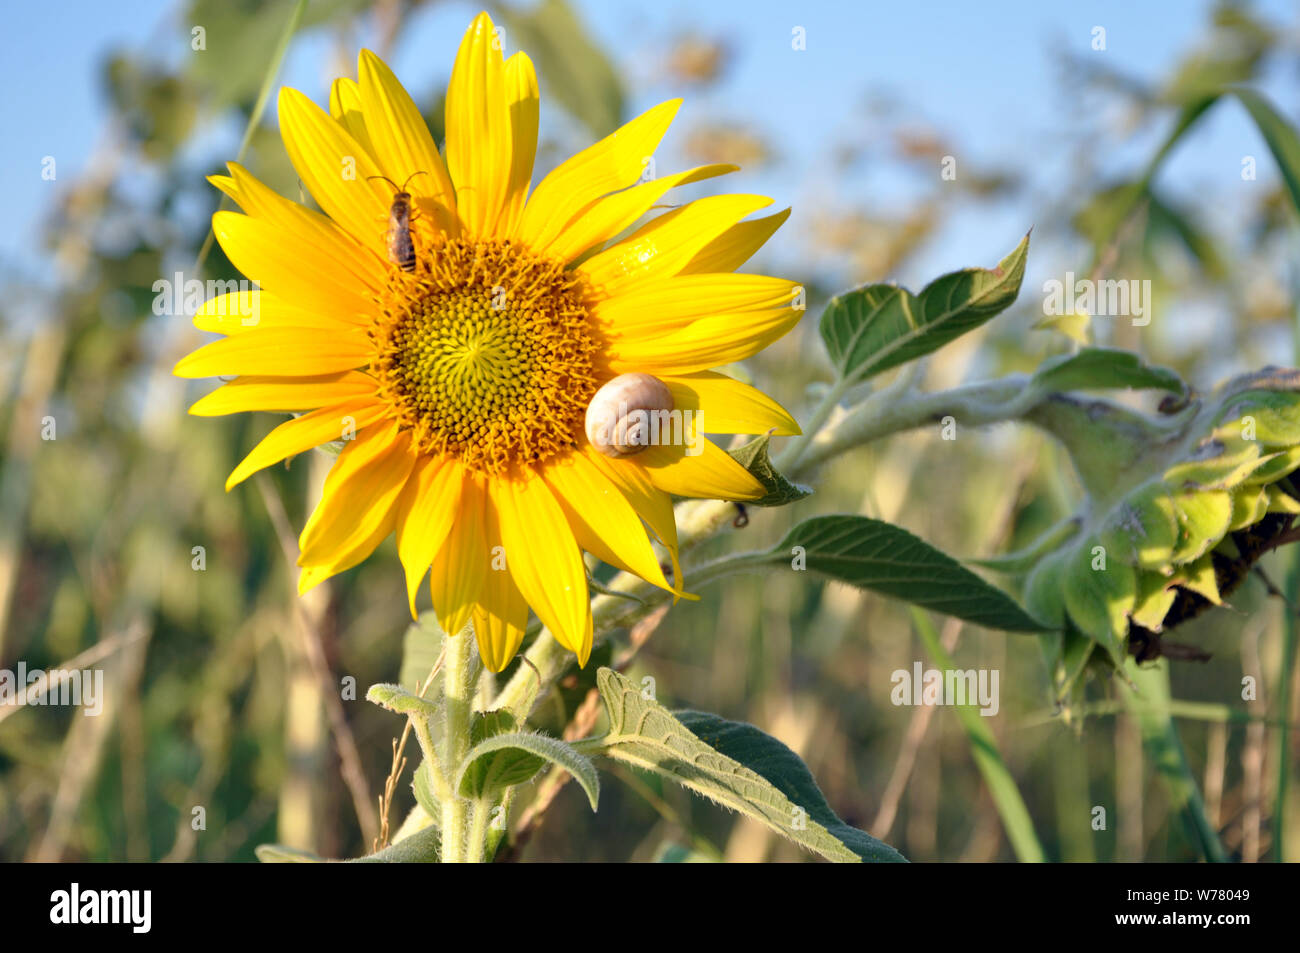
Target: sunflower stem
x=476 y=845
x=458 y=688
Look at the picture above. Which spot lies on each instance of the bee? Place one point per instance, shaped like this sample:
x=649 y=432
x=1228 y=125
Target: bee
x=401 y=249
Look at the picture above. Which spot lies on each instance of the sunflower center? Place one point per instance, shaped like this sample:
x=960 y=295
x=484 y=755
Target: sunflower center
x=486 y=354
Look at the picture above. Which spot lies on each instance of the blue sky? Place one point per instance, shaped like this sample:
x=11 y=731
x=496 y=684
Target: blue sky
x=985 y=74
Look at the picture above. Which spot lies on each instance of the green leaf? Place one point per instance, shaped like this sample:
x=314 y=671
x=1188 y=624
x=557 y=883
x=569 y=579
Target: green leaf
x=1203 y=519
x=780 y=491
x=733 y=764
x=1101 y=220
x=1280 y=136
x=1143 y=529
x=422 y=847
x=1098 y=599
x=887 y=559
x=984 y=749
x=421 y=646
x=422 y=785
x=877 y=327
x=398 y=699
x=783 y=769
x=1024 y=560
x=1102 y=367
x=1274 y=416
x=280 y=854
x=502 y=761
x=1164 y=219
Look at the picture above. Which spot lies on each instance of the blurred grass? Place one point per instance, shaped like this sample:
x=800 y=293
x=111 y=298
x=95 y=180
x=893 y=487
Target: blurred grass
x=216 y=703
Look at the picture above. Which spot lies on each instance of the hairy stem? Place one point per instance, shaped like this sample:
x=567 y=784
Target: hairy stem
x=458 y=689
x=476 y=845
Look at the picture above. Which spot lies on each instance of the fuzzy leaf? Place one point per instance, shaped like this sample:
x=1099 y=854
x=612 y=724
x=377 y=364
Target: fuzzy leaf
x=1102 y=367
x=422 y=785
x=887 y=559
x=877 y=327
x=280 y=854
x=1274 y=416
x=1100 y=599
x=1203 y=519
x=421 y=646
x=738 y=767
x=1143 y=529
x=780 y=491
x=422 y=847
x=398 y=699
x=502 y=761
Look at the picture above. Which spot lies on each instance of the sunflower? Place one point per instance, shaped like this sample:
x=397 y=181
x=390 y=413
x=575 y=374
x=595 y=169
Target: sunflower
x=459 y=387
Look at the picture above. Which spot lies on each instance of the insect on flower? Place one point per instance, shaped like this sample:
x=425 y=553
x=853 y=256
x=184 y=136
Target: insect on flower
x=401 y=249
x=468 y=388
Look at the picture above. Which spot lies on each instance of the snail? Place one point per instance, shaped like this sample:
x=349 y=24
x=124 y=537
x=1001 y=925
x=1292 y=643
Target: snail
x=624 y=414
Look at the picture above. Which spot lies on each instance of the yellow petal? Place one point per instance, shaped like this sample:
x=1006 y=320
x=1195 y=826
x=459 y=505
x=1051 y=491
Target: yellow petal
x=669 y=305
x=736 y=245
x=708 y=342
x=724 y=405
x=651 y=503
x=479 y=134
x=306 y=432
x=710 y=474
x=607 y=217
x=278 y=352
x=661 y=248
x=345 y=108
x=283 y=393
x=403 y=144
x=425 y=517
x=236 y=312
x=358 y=504
x=603 y=521
x=614 y=163
x=633 y=480
x=544 y=560
x=281 y=261
x=501 y=616
x=524 y=102
x=460 y=567
x=336 y=169
x=303 y=231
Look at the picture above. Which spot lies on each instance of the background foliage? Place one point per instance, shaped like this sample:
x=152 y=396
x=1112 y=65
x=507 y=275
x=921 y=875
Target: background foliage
x=223 y=687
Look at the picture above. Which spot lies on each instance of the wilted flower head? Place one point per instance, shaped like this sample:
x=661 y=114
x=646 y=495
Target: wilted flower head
x=1179 y=511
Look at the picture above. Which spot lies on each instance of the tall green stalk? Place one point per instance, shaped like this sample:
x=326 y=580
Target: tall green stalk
x=1283 y=709
x=1150 y=706
x=458 y=702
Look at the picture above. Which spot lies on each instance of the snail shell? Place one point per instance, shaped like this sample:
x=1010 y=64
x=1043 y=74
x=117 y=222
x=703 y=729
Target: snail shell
x=618 y=414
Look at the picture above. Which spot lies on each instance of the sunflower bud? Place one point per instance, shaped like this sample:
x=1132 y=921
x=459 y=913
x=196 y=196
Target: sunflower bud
x=1179 y=510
